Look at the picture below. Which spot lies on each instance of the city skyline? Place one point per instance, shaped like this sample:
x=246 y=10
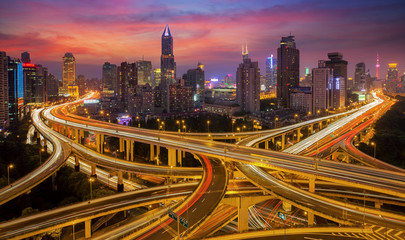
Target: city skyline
x=209 y=33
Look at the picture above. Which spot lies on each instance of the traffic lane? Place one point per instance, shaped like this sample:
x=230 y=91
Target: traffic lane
x=312 y=236
x=302 y=198
x=51 y=165
x=85 y=209
x=202 y=204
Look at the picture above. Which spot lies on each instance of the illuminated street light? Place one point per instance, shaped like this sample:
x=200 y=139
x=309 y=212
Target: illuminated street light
x=208 y=125
x=178 y=123
x=91 y=180
x=8 y=173
x=40 y=155
x=374 y=145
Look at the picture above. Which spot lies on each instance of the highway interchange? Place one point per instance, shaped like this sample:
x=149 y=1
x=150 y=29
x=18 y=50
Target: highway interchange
x=251 y=161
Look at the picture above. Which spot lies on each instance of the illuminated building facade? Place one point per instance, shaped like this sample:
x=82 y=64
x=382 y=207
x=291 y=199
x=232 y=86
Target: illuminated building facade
x=157 y=77
x=392 y=72
x=127 y=73
x=30 y=79
x=288 y=65
x=377 y=67
x=359 y=77
x=69 y=70
x=339 y=67
x=248 y=84
x=167 y=63
x=81 y=84
x=4 y=120
x=322 y=80
x=109 y=78
x=144 y=72
x=195 y=79
x=15 y=90
x=271 y=72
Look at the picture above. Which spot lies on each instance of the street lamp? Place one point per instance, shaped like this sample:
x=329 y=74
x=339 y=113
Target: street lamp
x=233 y=122
x=208 y=125
x=238 y=129
x=8 y=173
x=91 y=180
x=178 y=123
x=374 y=145
x=40 y=155
x=163 y=124
x=244 y=127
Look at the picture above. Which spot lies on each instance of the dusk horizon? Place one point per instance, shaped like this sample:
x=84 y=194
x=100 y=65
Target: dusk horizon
x=211 y=33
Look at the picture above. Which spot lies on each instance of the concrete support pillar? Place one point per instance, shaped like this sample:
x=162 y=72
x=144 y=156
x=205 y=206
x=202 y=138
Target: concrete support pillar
x=179 y=158
x=77 y=164
x=122 y=147
x=378 y=205
x=311 y=129
x=158 y=155
x=152 y=152
x=171 y=154
x=282 y=142
x=287 y=206
x=87 y=229
x=129 y=150
x=243 y=215
x=93 y=171
x=77 y=135
x=266 y=145
x=320 y=125
x=311 y=184
x=311 y=218
x=100 y=142
x=120 y=182
x=298 y=134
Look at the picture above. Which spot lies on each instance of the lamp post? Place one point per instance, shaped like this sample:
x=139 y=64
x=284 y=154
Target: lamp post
x=91 y=180
x=208 y=125
x=374 y=145
x=8 y=173
x=233 y=122
x=238 y=129
x=178 y=123
x=244 y=128
x=275 y=122
x=40 y=155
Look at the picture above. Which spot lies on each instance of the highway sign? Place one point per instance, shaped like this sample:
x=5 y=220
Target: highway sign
x=281 y=215
x=174 y=216
x=184 y=222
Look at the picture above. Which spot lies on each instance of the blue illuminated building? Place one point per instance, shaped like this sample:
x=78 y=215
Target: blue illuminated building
x=15 y=89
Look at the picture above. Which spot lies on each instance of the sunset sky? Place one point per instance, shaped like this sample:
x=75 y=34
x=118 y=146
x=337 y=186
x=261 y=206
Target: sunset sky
x=208 y=31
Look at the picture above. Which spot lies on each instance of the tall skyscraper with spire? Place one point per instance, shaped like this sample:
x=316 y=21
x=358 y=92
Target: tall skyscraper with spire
x=167 y=63
x=377 y=66
x=248 y=84
x=288 y=70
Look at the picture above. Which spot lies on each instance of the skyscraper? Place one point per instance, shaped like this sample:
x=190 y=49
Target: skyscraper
x=157 y=77
x=15 y=89
x=144 y=72
x=271 y=72
x=195 y=78
x=248 y=84
x=30 y=80
x=392 y=72
x=81 y=83
x=25 y=57
x=128 y=80
x=359 y=77
x=109 y=80
x=339 y=67
x=4 y=120
x=167 y=63
x=69 y=70
x=322 y=80
x=288 y=66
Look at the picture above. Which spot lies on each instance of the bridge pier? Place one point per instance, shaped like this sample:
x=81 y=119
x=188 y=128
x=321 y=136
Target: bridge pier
x=171 y=154
x=311 y=129
x=311 y=184
x=77 y=164
x=100 y=142
x=120 y=182
x=179 y=158
x=243 y=203
x=93 y=171
x=311 y=218
x=152 y=152
x=266 y=145
x=378 y=205
x=298 y=134
x=87 y=229
x=282 y=141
